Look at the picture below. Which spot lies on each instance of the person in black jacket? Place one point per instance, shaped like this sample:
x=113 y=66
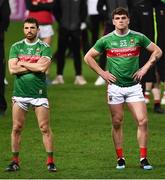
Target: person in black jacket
x=69 y=14
x=144 y=14
x=4 y=23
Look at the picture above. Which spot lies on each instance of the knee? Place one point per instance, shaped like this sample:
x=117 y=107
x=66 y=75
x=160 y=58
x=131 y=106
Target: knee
x=117 y=121
x=44 y=128
x=17 y=128
x=142 y=122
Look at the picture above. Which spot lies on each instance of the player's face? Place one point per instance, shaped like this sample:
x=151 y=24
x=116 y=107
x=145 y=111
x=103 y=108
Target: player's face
x=121 y=22
x=30 y=31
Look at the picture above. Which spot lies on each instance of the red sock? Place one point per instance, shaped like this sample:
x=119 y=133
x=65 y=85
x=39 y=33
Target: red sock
x=16 y=159
x=147 y=95
x=143 y=153
x=157 y=101
x=50 y=160
x=119 y=153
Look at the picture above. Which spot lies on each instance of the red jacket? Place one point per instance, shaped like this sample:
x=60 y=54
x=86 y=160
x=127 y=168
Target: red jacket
x=41 y=10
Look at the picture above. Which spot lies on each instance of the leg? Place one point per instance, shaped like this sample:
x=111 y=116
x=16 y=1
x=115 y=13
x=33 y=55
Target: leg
x=63 y=40
x=85 y=41
x=42 y=115
x=94 y=25
x=62 y=44
x=156 y=91
x=161 y=73
x=148 y=88
x=139 y=112
x=75 y=46
x=18 y=123
x=117 y=119
x=117 y=133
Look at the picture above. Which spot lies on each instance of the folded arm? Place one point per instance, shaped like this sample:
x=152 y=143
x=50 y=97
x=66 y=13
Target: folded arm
x=15 y=68
x=40 y=66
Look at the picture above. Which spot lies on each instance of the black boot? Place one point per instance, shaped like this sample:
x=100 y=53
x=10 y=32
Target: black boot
x=158 y=109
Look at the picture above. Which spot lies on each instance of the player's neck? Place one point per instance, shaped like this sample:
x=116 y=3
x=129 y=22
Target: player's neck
x=31 y=40
x=122 y=31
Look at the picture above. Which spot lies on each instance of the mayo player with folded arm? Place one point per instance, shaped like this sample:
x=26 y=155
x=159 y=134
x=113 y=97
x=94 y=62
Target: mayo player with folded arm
x=28 y=61
x=122 y=47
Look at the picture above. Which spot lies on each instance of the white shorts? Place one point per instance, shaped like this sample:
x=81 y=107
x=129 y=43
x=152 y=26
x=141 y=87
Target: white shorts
x=118 y=95
x=24 y=103
x=45 y=31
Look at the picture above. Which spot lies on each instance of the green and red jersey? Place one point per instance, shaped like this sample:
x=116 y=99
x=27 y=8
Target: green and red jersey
x=31 y=84
x=122 y=54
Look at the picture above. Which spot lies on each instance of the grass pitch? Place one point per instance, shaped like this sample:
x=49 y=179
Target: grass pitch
x=82 y=132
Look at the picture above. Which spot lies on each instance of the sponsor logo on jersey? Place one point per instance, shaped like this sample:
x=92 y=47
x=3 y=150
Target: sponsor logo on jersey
x=123 y=43
x=28 y=58
x=38 y=50
x=29 y=50
x=123 y=52
x=21 y=50
x=132 y=42
x=114 y=43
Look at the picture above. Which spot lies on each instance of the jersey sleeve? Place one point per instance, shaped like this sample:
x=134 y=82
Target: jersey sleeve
x=13 y=52
x=47 y=52
x=99 y=45
x=145 y=41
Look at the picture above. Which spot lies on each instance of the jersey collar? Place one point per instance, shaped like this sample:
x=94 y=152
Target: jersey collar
x=31 y=44
x=117 y=34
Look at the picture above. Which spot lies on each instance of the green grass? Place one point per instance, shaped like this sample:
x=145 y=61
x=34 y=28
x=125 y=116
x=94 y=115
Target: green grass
x=82 y=133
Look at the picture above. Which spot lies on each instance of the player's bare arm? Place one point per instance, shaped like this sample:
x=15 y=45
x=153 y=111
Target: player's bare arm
x=40 y=66
x=15 y=68
x=156 y=53
x=90 y=60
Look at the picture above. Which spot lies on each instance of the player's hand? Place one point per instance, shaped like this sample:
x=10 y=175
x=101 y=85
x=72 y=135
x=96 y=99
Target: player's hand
x=20 y=63
x=108 y=77
x=139 y=74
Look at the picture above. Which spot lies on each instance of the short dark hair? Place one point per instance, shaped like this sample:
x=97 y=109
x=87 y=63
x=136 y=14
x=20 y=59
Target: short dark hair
x=32 y=21
x=120 y=11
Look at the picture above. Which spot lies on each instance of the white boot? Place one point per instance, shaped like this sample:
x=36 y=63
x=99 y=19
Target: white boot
x=58 y=80
x=100 y=81
x=79 y=80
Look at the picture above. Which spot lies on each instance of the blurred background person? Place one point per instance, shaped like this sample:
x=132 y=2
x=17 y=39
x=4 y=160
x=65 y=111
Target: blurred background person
x=69 y=14
x=91 y=27
x=152 y=12
x=159 y=8
x=94 y=21
x=85 y=44
x=42 y=11
x=4 y=23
